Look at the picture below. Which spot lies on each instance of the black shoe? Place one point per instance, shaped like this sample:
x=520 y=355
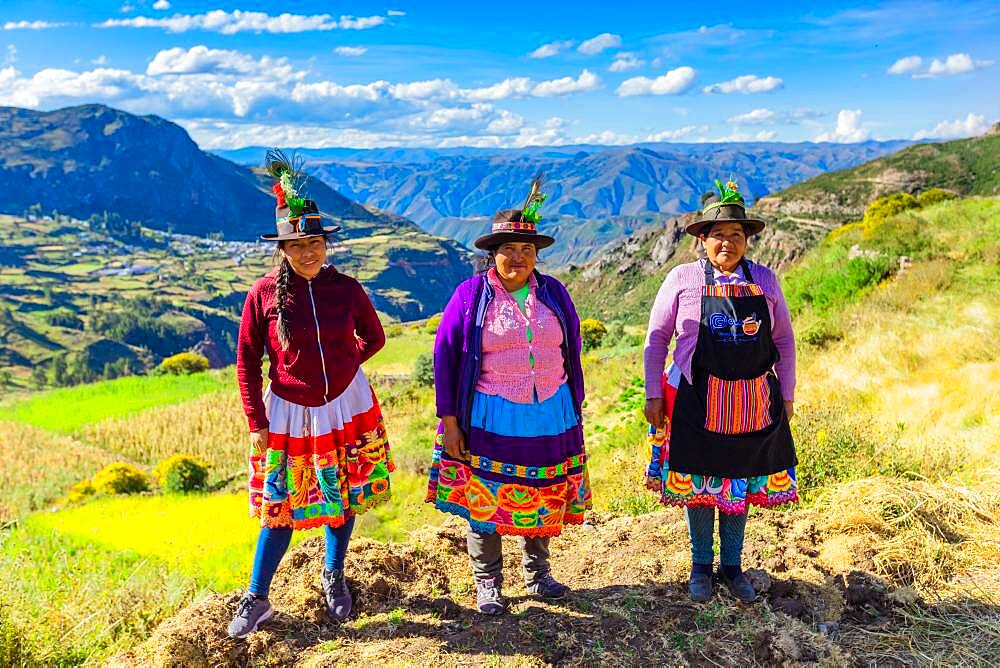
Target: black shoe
x=739 y=586
x=700 y=586
x=338 y=597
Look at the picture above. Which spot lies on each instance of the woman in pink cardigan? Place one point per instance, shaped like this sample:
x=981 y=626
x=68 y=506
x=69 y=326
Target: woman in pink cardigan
x=718 y=417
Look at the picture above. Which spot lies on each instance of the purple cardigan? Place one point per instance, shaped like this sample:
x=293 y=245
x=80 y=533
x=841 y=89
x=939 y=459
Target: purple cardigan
x=458 y=350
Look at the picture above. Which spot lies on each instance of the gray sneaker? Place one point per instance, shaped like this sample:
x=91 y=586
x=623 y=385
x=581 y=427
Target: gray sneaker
x=338 y=597
x=548 y=588
x=489 y=600
x=250 y=613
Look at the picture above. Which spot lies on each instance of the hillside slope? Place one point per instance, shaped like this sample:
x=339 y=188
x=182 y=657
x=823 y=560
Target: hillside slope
x=622 y=282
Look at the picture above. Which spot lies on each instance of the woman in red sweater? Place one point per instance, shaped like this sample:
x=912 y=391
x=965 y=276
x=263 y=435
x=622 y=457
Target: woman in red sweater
x=319 y=454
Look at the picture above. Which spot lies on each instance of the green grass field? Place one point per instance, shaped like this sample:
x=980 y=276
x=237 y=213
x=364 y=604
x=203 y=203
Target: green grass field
x=65 y=410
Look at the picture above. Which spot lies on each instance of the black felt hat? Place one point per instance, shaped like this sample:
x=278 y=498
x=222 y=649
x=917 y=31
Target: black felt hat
x=518 y=225
x=726 y=206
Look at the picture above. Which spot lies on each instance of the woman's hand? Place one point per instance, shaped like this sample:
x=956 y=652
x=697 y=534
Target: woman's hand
x=654 y=412
x=454 y=440
x=790 y=409
x=258 y=441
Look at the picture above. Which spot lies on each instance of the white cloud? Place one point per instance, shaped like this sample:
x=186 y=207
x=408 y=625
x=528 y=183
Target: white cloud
x=550 y=49
x=161 y=5
x=100 y=60
x=956 y=63
x=748 y=83
x=679 y=133
x=970 y=126
x=567 y=85
x=595 y=45
x=58 y=84
x=754 y=117
x=625 y=61
x=126 y=7
x=229 y=23
x=508 y=88
x=31 y=25
x=674 y=82
x=11 y=56
x=201 y=60
x=395 y=12
x=737 y=136
x=351 y=51
x=848 y=128
x=906 y=65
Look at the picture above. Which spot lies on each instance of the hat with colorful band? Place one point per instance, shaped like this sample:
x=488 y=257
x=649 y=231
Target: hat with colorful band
x=518 y=225
x=727 y=206
x=295 y=216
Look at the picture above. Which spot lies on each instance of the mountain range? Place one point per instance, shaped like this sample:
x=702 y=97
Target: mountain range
x=92 y=159
x=597 y=194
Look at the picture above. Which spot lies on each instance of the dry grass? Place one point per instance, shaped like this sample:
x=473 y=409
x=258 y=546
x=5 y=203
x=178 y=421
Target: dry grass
x=211 y=427
x=934 y=538
x=38 y=467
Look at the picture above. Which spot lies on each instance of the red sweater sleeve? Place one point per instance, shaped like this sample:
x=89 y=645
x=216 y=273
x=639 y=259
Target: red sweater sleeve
x=371 y=336
x=250 y=350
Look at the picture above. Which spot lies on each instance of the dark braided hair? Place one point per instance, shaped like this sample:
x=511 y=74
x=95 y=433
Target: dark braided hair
x=281 y=283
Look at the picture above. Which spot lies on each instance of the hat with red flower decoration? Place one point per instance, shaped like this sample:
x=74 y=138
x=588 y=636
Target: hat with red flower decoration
x=520 y=225
x=295 y=216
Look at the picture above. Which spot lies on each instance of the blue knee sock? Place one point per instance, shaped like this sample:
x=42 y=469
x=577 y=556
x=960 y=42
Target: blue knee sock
x=337 y=541
x=731 y=531
x=701 y=526
x=271 y=547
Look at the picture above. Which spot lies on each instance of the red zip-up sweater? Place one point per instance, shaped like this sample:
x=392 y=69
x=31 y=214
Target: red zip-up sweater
x=334 y=329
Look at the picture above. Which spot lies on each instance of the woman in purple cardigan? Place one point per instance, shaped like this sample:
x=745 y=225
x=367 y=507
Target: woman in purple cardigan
x=719 y=432
x=509 y=454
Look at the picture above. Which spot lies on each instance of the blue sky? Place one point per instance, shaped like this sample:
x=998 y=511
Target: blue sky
x=515 y=73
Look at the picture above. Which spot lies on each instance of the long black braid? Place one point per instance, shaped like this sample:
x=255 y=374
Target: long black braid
x=281 y=283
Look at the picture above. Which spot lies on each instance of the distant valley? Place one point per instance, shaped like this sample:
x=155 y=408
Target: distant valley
x=597 y=194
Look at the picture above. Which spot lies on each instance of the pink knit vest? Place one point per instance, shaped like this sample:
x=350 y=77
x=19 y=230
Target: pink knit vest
x=506 y=370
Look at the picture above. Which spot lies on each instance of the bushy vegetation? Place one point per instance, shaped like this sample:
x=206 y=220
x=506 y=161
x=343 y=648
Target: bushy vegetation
x=181 y=474
x=592 y=332
x=120 y=478
x=423 y=370
x=184 y=364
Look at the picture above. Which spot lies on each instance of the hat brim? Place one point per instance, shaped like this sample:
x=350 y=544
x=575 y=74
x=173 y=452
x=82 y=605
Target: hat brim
x=497 y=238
x=755 y=225
x=300 y=235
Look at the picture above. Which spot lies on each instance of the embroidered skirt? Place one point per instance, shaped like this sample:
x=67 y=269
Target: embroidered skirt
x=729 y=495
x=527 y=473
x=323 y=464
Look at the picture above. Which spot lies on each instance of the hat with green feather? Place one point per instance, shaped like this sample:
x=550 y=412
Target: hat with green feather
x=295 y=216
x=519 y=225
x=726 y=206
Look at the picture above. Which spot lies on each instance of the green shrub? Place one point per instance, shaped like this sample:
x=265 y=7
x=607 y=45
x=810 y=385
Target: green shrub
x=615 y=335
x=933 y=196
x=63 y=317
x=432 y=324
x=183 y=364
x=634 y=340
x=592 y=331
x=423 y=370
x=181 y=474
x=394 y=330
x=120 y=479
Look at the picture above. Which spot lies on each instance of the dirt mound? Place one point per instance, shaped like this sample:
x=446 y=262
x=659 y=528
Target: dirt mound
x=822 y=604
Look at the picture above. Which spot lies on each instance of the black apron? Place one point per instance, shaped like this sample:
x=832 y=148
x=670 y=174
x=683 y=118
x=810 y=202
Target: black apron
x=731 y=423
